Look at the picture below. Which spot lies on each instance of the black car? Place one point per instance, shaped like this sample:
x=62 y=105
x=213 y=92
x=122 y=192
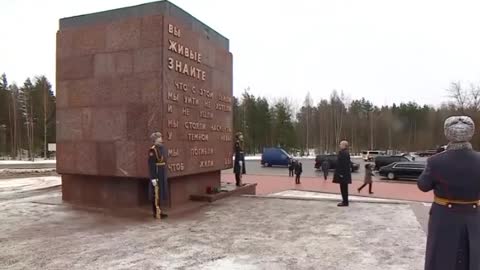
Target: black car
x=332 y=160
x=427 y=153
x=402 y=170
x=381 y=161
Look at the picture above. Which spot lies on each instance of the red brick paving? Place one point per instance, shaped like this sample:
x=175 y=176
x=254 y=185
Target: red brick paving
x=267 y=184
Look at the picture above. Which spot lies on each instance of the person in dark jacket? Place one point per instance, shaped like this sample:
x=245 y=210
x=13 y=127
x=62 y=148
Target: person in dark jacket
x=367 y=180
x=239 y=165
x=325 y=168
x=291 y=168
x=453 y=240
x=158 y=186
x=298 y=172
x=343 y=174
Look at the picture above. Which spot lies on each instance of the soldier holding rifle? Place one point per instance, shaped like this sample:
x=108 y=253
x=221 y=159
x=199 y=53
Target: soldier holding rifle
x=157 y=165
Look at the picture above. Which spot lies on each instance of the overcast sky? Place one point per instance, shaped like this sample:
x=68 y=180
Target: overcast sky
x=385 y=51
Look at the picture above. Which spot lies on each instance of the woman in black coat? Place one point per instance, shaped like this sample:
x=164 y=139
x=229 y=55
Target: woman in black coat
x=453 y=241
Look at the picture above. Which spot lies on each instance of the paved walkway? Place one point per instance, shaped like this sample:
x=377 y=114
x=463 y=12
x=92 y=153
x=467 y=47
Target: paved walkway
x=235 y=233
x=382 y=189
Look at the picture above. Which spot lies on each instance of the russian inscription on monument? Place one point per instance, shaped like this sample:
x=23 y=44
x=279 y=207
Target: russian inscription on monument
x=199 y=111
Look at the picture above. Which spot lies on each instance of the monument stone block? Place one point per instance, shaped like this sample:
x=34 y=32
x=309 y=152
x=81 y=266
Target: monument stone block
x=126 y=73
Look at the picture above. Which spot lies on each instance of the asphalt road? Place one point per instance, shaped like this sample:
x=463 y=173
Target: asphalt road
x=254 y=167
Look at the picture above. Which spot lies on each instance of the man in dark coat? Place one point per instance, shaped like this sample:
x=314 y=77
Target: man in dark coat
x=298 y=171
x=325 y=168
x=343 y=174
x=291 y=167
x=453 y=241
x=239 y=165
x=157 y=166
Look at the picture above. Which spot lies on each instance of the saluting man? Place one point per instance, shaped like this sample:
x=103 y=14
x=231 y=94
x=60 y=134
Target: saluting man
x=157 y=165
x=239 y=165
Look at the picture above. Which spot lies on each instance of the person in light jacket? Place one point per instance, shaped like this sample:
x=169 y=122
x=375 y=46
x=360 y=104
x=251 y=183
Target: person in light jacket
x=453 y=241
x=367 y=180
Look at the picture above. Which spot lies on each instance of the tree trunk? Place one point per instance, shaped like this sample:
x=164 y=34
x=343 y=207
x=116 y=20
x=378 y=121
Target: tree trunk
x=44 y=121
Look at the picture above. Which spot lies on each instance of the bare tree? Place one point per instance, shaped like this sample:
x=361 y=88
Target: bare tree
x=308 y=104
x=474 y=97
x=459 y=95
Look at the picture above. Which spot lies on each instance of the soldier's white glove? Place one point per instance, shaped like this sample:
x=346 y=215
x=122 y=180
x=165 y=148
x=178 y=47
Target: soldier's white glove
x=154 y=182
x=241 y=163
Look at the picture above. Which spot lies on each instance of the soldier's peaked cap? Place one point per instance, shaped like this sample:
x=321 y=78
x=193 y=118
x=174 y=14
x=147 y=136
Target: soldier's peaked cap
x=155 y=136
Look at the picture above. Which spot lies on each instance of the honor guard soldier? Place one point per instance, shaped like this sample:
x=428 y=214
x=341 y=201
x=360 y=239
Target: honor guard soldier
x=239 y=165
x=158 y=187
x=453 y=240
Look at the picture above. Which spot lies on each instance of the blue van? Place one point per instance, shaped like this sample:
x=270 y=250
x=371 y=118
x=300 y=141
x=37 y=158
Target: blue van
x=275 y=157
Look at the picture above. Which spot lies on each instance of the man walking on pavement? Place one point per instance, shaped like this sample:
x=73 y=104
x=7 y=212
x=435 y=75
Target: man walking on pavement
x=343 y=174
x=325 y=168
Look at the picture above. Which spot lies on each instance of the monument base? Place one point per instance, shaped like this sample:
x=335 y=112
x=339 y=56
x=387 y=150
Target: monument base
x=122 y=192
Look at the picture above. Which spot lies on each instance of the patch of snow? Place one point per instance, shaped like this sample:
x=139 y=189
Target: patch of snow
x=319 y=195
x=47 y=161
x=27 y=170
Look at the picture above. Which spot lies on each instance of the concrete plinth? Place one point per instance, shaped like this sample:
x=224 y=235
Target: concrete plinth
x=121 y=192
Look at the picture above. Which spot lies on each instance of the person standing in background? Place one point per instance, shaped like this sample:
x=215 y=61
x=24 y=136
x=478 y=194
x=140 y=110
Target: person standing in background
x=298 y=172
x=291 y=168
x=343 y=174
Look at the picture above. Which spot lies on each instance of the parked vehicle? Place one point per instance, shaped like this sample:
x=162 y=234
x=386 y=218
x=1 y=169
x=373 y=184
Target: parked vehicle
x=275 y=157
x=427 y=153
x=402 y=170
x=381 y=161
x=332 y=160
x=371 y=154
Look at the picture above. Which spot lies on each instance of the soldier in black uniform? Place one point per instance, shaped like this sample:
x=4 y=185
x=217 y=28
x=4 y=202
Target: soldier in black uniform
x=239 y=165
x=453 y=241
x=157 y=165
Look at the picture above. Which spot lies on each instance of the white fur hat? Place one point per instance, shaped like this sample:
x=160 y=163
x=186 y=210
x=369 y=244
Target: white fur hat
x=459 y=128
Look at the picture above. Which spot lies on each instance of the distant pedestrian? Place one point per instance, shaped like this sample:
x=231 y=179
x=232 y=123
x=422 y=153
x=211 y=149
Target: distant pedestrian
x=298 y=172
x=291 y=168
x=453 y=241
x=367 y=180
x=343 y=172
x=325 y=169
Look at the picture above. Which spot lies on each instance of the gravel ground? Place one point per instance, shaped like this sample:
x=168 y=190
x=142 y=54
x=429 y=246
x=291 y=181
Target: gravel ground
x=39 y=232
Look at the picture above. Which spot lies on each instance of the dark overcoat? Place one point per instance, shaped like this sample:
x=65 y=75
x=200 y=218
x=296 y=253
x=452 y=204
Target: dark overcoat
x=325 y=166
x=453 y=175
x=343 y=171
x=239 y=156
x=298 y=168
x=157 y=166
